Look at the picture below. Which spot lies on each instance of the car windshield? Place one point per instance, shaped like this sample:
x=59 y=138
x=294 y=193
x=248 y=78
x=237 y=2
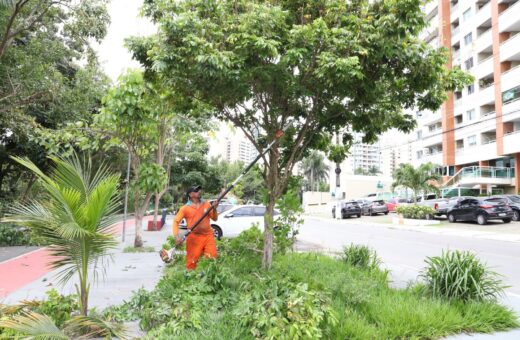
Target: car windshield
x=379 y=202
x=515 y=199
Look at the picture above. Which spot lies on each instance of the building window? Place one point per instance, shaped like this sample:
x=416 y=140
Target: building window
x=472 y=140
x=419 y=154
x=511 y=95
x=469 y=63
x=419 y=134
x=468 y=39
x=467 y=14
x=471 y=114
x=471 y=89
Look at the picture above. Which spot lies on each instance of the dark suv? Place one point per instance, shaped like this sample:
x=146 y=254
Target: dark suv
x=481 y=210
x=349 y=208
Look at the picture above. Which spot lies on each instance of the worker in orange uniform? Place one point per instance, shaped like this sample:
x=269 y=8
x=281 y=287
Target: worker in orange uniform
x=201 y=240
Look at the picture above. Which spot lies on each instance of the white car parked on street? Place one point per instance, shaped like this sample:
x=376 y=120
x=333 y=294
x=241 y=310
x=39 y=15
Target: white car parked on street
x=235 y=219
x=241 y=217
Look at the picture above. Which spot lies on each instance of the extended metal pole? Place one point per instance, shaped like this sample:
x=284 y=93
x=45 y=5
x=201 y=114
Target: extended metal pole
x=126 y=195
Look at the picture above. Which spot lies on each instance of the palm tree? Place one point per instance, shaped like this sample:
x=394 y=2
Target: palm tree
x=373 y=170
x=75 y=216
x=422 y=179
x=315 y=169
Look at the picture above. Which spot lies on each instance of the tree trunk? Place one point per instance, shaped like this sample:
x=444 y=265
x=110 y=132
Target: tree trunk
x=30 y=184
x=138 y=241
x=272 y=186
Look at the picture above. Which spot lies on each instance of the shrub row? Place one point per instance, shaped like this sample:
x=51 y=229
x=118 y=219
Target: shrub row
x=416 y=211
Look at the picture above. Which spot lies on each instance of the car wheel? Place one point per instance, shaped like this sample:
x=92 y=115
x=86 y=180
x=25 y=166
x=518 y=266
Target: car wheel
x=359 y=215
x=452 y=218
x=386 y=212
x=371 y=213
x=516 y=215
x=333 y=215
x=507 y=220
x=217 y=231
x=481 y=219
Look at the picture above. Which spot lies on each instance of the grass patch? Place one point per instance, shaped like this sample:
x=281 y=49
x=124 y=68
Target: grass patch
x=147 y=249
x=303 y=296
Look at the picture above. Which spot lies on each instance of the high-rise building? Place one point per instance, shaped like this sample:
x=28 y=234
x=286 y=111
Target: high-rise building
x=232 y=145
x=475 y=136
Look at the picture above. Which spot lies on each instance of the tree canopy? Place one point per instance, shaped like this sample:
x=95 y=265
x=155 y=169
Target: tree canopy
x=322 y=66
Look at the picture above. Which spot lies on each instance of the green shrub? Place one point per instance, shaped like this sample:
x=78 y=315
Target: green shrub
x=58 y=307
x=11 y=235
x=416 y=211
x=288 y=222
x=457 y=275
x=360 y=256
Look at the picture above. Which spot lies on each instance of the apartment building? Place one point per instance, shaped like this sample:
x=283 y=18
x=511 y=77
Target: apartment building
x=475 y=136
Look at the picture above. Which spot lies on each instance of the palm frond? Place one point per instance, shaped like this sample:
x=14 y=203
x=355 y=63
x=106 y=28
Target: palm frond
x=86 y=327
x=34 y=326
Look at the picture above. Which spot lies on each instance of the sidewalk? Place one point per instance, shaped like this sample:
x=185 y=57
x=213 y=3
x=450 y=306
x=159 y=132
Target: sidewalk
x=125 y=273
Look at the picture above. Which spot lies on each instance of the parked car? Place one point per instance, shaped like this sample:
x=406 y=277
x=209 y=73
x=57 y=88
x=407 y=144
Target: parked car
x=443 y=206
x=481 y=210
x=393 y=203
x=350 y=208
x=374 y=207
x=514 y=203
x=241 y=217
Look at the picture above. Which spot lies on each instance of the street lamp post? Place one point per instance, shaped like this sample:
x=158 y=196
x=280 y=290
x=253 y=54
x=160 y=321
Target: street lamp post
x=337 y=193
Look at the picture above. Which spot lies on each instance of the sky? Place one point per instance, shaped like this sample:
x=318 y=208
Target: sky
x=125 y=22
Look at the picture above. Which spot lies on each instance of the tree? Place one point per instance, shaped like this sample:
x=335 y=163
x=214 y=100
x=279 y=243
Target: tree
x=49 y=76
x=373 y=170
x=420 y=180
x=317 y=66
x=75 y=218
x=315 y=169
x=126 y=118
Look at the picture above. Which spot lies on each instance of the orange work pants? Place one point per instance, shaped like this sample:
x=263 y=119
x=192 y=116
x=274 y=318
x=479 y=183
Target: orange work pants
x=198 y=244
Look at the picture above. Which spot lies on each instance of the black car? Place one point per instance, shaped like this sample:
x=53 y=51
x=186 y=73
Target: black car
x=514 y=203
x=481 y=210
x=349 y=208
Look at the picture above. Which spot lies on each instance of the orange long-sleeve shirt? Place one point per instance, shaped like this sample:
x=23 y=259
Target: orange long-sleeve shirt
x=192 y=214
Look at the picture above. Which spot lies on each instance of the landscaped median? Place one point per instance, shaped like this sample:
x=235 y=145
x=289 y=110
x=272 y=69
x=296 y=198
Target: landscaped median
x=304 y=295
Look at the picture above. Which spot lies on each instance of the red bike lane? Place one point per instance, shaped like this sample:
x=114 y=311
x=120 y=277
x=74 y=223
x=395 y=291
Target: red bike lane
x=24 y=269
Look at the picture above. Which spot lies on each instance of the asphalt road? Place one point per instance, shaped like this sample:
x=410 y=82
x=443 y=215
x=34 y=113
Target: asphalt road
x=404 y=251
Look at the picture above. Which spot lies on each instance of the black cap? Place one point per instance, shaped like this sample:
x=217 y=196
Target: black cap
x=193 y=188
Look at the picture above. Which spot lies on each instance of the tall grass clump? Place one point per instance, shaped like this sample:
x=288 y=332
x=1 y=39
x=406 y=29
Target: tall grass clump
x=457 y=275
x=360 y=256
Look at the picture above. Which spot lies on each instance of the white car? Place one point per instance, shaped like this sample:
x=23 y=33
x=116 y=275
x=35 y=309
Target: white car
x=239 y=218
x=232 y=221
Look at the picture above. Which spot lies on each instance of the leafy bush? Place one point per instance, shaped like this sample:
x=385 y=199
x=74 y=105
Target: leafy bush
x=457 y=275
x=58 y=307
x=11 y=235
x=360 y=256
x=416 y=211
x=288 y=222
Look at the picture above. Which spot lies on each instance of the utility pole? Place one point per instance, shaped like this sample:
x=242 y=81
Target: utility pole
x=338 y=189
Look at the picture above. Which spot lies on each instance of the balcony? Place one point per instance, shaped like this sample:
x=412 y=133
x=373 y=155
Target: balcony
x=475 y=175
x=483 y=69
x=475 y=153
x=482 y=15
x=486 y=95
x=511 y=111
x=509 y=18
x=430 y=7
x=435 y=158
x=510 y=78
x=510 y=49
x=484 y=42
x=512 y=142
